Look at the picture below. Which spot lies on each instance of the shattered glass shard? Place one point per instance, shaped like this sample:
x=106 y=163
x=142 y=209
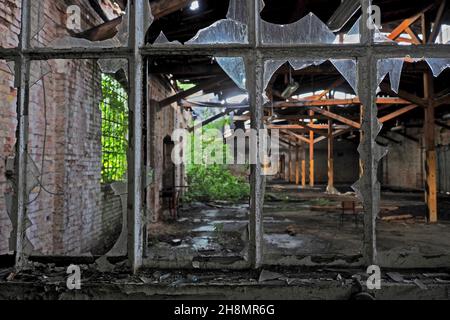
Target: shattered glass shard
x=234 y=29
x=235 y=69
x=394 y=68
x=348 y=69
x=438 y=65
x=111 y=66
x=223 y=31
x=308 y=30
x=162 y=39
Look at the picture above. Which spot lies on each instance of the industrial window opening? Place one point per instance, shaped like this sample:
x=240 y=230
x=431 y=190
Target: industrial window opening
x=114 y=108
x=233 y=68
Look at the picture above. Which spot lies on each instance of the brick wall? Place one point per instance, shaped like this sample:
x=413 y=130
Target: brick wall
x=82 y=216
x=9 y=22
x=162 y=123
x=8 y=124
x=9 y=30
x=403 y=167
x=346 y=162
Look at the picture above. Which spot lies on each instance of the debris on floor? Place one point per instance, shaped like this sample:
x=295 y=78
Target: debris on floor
x=268 y=276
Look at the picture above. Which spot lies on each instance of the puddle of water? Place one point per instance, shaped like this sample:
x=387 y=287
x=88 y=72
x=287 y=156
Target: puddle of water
x=200 y=243
x=272 y=220
x=228 y=225
x=283 y=241
x=207 y=228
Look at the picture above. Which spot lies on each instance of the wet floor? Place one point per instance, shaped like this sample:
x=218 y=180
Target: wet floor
x=297 y=223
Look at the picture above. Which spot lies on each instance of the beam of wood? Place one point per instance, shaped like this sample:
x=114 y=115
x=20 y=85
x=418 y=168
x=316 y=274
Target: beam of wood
x=426 y=27
x=407 y=23
x=337 y=117
x=334 y=102
x=290 y=164
x=311 y=159
x=412 y=98
x=403 y=26
x=102 y=32
x=430 y=149
x=337 y=83
x=296 y=127
x=295 y=136
x=398 y=113
x=292 y=141
x=297 y=166
x=211 y=120
x=279 y=118
x=335 y=135
x=414 y=37
x=304 y=170
x=330 y=187
x=286 y=142
x=403 y=39
x=187 y=93
x=442 y=101
x=108 y=30
x=438 y=22
x=162 y=8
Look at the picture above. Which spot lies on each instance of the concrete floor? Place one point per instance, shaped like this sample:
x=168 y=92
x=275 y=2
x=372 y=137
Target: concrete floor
x=303 y=227
x=48 y=282
x=201 y=231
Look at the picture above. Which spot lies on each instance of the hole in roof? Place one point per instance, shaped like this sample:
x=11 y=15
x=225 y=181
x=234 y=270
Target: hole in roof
x=290 y=11
x=182 y=23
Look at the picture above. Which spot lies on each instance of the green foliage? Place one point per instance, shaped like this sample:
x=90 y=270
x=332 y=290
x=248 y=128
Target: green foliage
x=214 y=182
x=114 y=108
x=185 y=86
x=209 y=182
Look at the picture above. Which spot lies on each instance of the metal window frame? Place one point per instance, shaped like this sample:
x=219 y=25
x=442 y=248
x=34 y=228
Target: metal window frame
x=366 y=52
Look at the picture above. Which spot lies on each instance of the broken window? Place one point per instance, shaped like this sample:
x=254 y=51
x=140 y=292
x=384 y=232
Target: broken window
x=198 y=201
x=412 y=230
x=312 y=215
x=309 y=22
x=425 y=22
x=70 y=210
x=8 y=100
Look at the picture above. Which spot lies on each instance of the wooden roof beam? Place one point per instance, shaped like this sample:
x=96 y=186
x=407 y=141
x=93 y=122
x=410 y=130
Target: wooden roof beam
x=337 y=117
x=398 y=113
x=187 y=93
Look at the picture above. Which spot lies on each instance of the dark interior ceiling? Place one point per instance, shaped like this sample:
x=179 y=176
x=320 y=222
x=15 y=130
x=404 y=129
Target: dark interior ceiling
x=182 y=24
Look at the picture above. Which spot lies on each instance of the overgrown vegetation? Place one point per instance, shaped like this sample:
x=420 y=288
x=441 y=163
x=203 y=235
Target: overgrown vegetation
x=114 y=108
x=209 y=182
x=214 y=182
